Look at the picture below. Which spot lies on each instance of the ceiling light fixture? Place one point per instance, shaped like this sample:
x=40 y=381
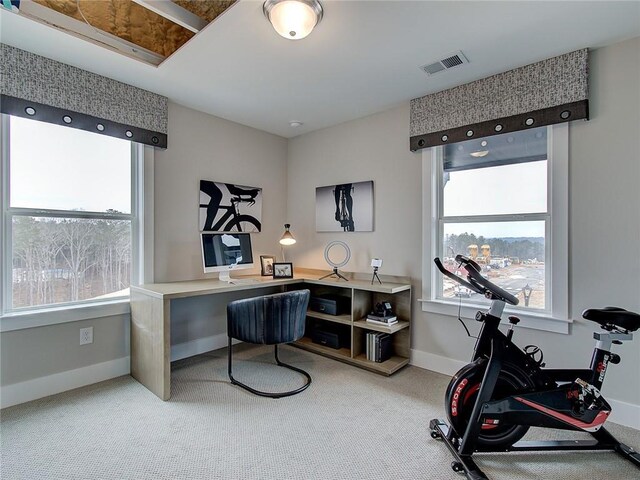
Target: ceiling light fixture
x=293 y=19
x=480 y=154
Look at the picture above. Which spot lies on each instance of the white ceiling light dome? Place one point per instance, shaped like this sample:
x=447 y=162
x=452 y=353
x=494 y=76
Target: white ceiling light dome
x=293 y=19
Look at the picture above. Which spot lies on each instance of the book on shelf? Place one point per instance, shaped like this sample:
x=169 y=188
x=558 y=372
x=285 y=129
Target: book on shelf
x=378 y=346
x=384 y=347
x=388 y=320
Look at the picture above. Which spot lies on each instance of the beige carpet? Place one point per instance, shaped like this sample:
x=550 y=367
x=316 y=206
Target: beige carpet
x=350 y=424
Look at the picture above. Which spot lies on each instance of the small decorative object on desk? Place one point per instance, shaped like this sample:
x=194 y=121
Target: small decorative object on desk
x=335 y=260
x=282 y=270
x=266 y=265
x=376 y=263
x=382 y=314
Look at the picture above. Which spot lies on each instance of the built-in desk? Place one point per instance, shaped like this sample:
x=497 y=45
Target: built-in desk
x=151 y=313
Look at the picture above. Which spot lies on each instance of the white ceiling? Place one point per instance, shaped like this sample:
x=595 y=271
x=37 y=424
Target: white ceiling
x=363 y=58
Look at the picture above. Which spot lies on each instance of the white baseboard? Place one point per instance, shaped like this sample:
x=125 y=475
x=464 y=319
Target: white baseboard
x=435 y=363
x=199 y=345
x=61 y=382
x=622 y=413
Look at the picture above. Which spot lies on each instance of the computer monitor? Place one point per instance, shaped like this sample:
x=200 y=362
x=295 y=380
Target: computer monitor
x=223 y=252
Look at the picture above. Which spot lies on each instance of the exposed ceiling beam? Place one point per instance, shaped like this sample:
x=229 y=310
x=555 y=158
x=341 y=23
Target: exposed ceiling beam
x=175 y=13
x=60 y=21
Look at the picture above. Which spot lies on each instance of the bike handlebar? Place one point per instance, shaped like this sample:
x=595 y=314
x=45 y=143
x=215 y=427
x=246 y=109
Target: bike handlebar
x=475 y=281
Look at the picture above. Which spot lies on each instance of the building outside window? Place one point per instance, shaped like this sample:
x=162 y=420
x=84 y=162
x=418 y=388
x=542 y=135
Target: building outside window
x=502 y=201
x=69 y=217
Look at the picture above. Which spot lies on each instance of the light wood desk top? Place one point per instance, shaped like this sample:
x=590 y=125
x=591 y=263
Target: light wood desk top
x=192 y=288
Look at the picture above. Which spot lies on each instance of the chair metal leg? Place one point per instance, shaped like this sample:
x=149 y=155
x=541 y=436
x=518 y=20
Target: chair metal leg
x=269 y=394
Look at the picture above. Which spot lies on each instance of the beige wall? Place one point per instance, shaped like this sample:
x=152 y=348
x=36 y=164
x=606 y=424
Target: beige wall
x=203 y=147
x=372 y=148
x=38 y=352
x=604 y=220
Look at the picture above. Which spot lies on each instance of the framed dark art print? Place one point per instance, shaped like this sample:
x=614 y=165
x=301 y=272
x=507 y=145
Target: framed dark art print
x=283 y=270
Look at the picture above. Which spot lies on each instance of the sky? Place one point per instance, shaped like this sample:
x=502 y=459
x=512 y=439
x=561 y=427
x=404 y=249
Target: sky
x=493 y=191
x=93 y=175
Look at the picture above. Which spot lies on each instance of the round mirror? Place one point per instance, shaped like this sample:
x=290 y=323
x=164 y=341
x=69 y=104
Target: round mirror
x=337 y=254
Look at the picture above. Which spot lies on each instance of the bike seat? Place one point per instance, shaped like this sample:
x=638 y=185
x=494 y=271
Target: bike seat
x=613 y=316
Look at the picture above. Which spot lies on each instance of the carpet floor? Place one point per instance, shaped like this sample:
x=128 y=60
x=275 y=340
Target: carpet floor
x=349 y=424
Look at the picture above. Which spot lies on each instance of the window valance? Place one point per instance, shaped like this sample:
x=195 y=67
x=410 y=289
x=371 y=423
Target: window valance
x=543 y=93
x=36 y=87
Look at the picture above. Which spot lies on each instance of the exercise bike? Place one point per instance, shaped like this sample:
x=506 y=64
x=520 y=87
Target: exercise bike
x=493 y=401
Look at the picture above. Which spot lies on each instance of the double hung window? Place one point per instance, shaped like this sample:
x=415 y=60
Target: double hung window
x=502 y=201
x=69 y=215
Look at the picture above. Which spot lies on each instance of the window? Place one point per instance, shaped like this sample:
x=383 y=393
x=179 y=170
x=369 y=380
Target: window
x=501 y=200
x=70 y=223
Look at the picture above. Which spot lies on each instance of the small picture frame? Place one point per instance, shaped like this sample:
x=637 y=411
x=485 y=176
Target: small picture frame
x=266 y=265
x=282 y=270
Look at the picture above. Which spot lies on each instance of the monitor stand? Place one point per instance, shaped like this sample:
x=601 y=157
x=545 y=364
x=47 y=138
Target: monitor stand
x=225 y=276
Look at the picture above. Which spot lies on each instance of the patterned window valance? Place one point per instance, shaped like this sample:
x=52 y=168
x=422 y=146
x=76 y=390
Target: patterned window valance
x=543 y=93
x=36 y=87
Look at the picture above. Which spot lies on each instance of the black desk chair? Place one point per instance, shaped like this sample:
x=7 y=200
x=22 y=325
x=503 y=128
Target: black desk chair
x=269 y=320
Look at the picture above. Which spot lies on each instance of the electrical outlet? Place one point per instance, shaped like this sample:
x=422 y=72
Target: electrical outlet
x=86 y=335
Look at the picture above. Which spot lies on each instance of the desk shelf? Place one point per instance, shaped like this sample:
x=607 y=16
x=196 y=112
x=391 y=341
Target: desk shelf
x=387 y=367
x=362 y=298
x=336 y=353
x=396 y=327
x=343 y=319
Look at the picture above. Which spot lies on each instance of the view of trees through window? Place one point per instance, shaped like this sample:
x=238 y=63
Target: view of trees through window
x=516 y=264
x=59 y=260
x=70 y=214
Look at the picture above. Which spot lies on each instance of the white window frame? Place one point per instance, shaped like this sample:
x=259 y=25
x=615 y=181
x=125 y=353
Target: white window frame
x=141 y=218
x=556 y=316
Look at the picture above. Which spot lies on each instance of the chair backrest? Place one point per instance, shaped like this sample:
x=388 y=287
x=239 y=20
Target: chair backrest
x=270 y=319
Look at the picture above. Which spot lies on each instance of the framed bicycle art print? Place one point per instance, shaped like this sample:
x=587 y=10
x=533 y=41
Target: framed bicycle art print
x=226 y=207
x=346 y=207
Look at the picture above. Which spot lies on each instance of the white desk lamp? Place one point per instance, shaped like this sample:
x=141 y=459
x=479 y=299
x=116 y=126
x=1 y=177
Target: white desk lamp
x=286 y=239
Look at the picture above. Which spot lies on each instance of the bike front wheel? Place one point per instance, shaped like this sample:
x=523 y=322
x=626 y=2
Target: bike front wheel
x=243 y=223
x=462 y=393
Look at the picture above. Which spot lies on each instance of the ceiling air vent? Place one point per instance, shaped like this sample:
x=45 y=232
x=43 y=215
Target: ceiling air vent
x=446 y=63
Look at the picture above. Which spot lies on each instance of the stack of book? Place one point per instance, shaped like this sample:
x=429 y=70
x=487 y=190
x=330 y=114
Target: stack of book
x=378 y=346
x=382 y=319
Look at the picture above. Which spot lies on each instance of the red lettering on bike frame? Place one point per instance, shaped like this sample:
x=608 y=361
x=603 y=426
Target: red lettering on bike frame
x=456 y=396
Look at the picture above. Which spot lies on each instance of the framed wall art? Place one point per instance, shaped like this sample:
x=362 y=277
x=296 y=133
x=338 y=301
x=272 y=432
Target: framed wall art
x=226 y=207
x=346 y=207
x=283 y=270
x=266 y=265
